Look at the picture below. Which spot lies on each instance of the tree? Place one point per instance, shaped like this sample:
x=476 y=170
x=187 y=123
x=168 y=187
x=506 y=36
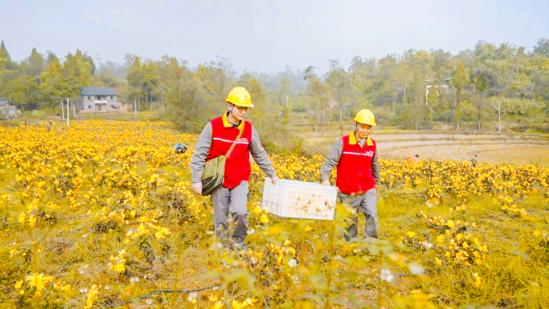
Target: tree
x=23 y=91
x=5 y=59
x=77 y=73
x=320 y=94
x=111 y=75
x=5 y=64
x=481 y=84
x=338 y=81
x=460 y=80
x=542 y=47
x=182 y=96
x=262 y=114
x=150 y=81
x=53 y=87
x=362 y=83
x=283 y=95
x=134 y=77
x=213 y=84
x=35 y=63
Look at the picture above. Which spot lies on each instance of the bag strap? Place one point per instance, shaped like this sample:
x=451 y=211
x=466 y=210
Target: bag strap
x=234 y=142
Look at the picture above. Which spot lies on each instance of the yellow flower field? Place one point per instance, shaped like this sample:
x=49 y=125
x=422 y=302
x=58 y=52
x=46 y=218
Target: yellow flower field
x=101 y=214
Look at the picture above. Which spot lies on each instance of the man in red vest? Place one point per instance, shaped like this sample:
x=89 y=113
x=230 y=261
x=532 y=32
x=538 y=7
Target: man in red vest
x=215 y=140
x=355 y=157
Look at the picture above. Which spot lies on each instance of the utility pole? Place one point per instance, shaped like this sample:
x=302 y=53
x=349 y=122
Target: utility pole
x=427 y=88
x=68 y=112
x=135 y=108
x=404 y=99
x=499 y=116
x=62 y=109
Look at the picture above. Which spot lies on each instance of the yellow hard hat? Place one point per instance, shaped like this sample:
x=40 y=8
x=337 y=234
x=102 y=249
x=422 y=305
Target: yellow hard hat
x=365 y=116
x=239 y=96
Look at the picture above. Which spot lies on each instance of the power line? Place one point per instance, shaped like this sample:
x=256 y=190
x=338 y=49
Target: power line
x=199 y=17
x=176 y=17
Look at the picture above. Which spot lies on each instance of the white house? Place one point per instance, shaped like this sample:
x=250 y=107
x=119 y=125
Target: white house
x=97 y=99
x=7 y=110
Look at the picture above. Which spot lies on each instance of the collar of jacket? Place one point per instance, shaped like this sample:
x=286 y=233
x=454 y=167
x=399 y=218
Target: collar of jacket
x=353 y=141
x=228 y=124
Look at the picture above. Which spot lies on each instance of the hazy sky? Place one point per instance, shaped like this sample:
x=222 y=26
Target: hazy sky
x=265 y=36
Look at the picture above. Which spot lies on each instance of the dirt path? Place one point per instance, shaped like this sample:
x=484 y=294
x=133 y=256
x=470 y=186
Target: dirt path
x=513 y=149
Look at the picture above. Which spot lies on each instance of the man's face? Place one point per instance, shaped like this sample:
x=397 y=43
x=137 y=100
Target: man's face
x=239 y=113
x=363 y=130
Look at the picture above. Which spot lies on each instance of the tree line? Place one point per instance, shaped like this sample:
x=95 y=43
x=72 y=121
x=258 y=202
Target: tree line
x=416 y=90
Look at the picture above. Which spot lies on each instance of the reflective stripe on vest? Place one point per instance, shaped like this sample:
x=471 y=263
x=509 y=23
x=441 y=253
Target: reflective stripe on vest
x=237 y=166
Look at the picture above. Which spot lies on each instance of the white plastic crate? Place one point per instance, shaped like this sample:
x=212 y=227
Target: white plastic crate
x=298 y=199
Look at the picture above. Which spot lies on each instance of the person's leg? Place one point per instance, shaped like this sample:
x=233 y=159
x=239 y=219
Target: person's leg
x=220 y=200
x=351 y=202
x=238 y=206
x=369 y=207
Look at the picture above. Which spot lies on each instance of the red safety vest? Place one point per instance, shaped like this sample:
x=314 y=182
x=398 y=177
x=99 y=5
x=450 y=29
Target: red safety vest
x=237 y=166
x=354 y=170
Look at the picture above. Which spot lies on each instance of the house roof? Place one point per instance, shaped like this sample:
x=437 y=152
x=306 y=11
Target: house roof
x=4 y=101
x=97 y=91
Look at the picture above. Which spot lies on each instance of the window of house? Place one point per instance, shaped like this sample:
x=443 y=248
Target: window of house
x=112 y=97
x=89 y=97
x=89 y=106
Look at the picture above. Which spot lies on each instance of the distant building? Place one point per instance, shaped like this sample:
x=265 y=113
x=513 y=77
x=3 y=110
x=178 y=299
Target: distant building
x=126 y=107
x=7 y=109
x=441 y=87
x=98 y=100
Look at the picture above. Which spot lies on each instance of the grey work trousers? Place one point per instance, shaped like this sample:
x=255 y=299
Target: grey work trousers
x=235 y=202
x=364 y=203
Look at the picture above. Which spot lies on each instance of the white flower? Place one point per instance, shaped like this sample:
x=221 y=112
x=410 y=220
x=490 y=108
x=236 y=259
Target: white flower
x=251 y=231
x=427 y=244
x=387 y=275
x=292 y=263
x=134 y=279
x=83 y=290
x=83 y=269
x=416 y=269
x=149 y=301
x=192 y=296
x=216 y=246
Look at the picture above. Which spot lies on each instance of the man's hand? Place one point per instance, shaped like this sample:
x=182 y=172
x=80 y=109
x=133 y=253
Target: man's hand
x=326 y=182
x=274 y=179
x=197 y=187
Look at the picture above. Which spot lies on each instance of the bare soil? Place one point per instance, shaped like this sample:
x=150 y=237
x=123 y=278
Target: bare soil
x=490 y=148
